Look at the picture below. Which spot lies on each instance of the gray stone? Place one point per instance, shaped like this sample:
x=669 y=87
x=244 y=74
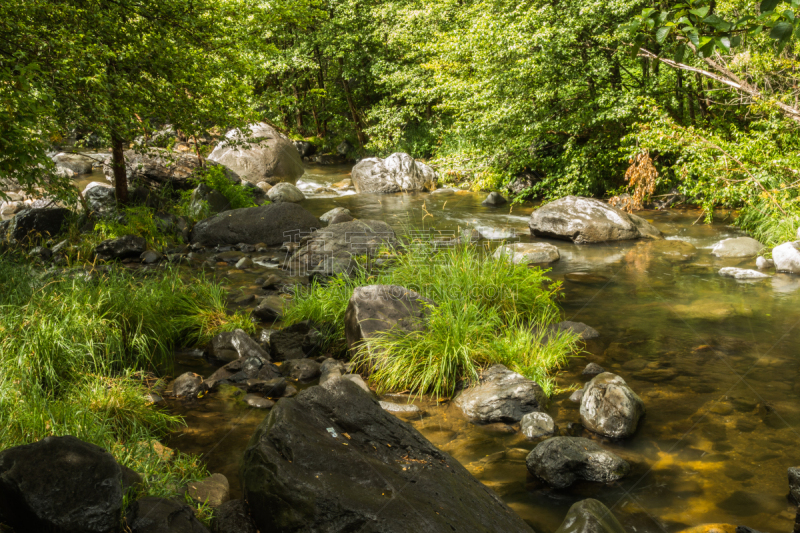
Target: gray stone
x=187 y=385
x=535 y=425
x=271 y=224
x=213 y=490
x=397 y=173
x=358 y=380
x=159 y=515
x=495 y=199
x=285 y=192
x=206 y=201
x=576 y=396
x=267 y=311
x=305 y=148
x=794 y=483
x=100 y=197
x=737 y=247
x=233 y=517
x=742 y=273
x=609 y=406
x=590 y=516
x=763 y=263
x=301 y=369
x=341 y=218
x=501 y=396
x=37 y=223
x=361 y=452
x=294 y=342
x=528 y=252
x=77 y=163
x=587 y=220
x=125 y=247
x=150 y=257
x=560 y=461
x=329 y=215
x=399 y=408
x=331 y=369
x=258 y=402
x=786 y=257
x=265 y=155
x=593 y=369
x=245 y=369
x=579 y=328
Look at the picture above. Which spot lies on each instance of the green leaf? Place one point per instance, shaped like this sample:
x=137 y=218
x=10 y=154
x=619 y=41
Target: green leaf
x=707 y=49
x=680 y=51
x=718 y=23
x=694 y=38
x=781 y=31
x=769 y=5
x=736 y=40
x=661 y=34
x=700 y=12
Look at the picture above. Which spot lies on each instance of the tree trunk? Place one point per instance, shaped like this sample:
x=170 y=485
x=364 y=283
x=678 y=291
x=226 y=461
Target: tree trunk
x=299 y=113
x=362 y=140
x=118 y=165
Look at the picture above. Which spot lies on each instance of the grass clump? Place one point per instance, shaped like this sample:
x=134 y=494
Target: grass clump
x=488 y=311
x=79 y=353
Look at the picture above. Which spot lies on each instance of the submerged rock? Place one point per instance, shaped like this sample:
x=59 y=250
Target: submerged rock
x=742 y=273
x=332 y=460
x=271 y=225
x=187 y=385
x=527 y=252
x=285 y=192
x=786 y=257
x=535 y=425
x=61 y=484
x=590 y=516
x=376 y=309
x=737 y=247
x=397 y=173
x=160 y=515
x=495 y=199
x=400 y=408
x=501 y=396
x=125 y=247
x=587 y=220
x=610 y=407
x=579 y=328
x=264 y=155
x=77 y=163
x=560 y=461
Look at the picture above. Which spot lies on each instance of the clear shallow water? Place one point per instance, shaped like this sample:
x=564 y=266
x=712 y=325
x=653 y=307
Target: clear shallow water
x=715 y=361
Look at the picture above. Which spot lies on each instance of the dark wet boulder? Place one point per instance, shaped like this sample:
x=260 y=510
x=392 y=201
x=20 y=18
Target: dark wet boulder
x=331 y=460
x=285 y=192
x=376 y=309
x=187 y=385
x=159 y=515
x=590 y=516
x=610 y=407
x=233 y=517
x=330 y=251
x=61 y=484
x=242 y=370
x=37 y=223
x=259 y=154
x=231 y=345
x=271 y=225
x=592 y=369
x=495 y=199
x=588 y=220
x=560 y=461
x=794 y=483
x=304 y=148
x=397 y=173
x=500 y=396
x=295 y=342
x=125 y=247
x=301 y=369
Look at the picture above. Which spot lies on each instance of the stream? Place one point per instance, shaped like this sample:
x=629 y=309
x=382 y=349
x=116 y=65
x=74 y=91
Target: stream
x=714 y=360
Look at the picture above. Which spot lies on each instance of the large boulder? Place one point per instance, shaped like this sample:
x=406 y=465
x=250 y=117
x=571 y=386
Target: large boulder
x=330 y=251
x=587 y=220
x=157 y=167
x=206 y=201
x=397 y=173
x=159 y=515
x=610 y=407
x=590 y=516
x=501 y=396
x=100 y=197
x=333 y=213
x=560 y=461
x=285 y=192
x=787 y=257
x=37 y=223
x=76 y=163
x=259 y=154
x=61 y=484
x=737 y=247
x=527 y=252
x=269 y=224
x=125 y=247
x=331 y=460
x=233 y=517
x=375 y=309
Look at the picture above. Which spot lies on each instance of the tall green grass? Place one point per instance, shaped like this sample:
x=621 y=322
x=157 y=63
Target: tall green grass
x=487 y=312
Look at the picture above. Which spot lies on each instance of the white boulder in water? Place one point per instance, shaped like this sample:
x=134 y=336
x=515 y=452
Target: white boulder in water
x=742 y=273
x=397 y=173
x=528 y=252
x=787 y=257
x=737 y=247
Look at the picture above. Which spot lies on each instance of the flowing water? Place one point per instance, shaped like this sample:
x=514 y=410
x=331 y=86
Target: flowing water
x=714 y=359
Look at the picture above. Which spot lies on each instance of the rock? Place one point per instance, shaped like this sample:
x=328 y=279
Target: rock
x=37 y=223
x=523 y=183
x=586 y=332
x=375 y=309
x=587 y=220
x=495 y=199
x=592 y=369
x=125 y=247
x=742 y=273
x=397 y=173
x=150 y=257
x=301 y=369
x=344 y=148
x=267 y=311
x=762 y=263
x=329 y=251
x=501 y=396
x=159 y=515
x=590 y=516
x=244 y=263
x=271 y=388
x=233 y=517
x=609 y=406
x=11 y=208
x=331 y=459
x=263 y=185
x=61 y=484
x=329 y=215
x=158 y=167
x=358 y=380
x=535 y=425
x=100 y=197
x=672 y=250
x=266 y=155
x=77 y=163
x=399 y=408
x=331 y=369
x=245 y=346
x=341 y=218
x=206 y=201
x=528 y=252
x=305 y=148
x=737 y=247
x=786 y=257
x=285 y=192
x=576 y=396
x=344 y=184
x=245 y=369
x=221 y=347
x=187 y=385
x=294 y=342
x=794 y=483
x=213 y=490
x=258 y=402
x=560 y=461
x=271 y=224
